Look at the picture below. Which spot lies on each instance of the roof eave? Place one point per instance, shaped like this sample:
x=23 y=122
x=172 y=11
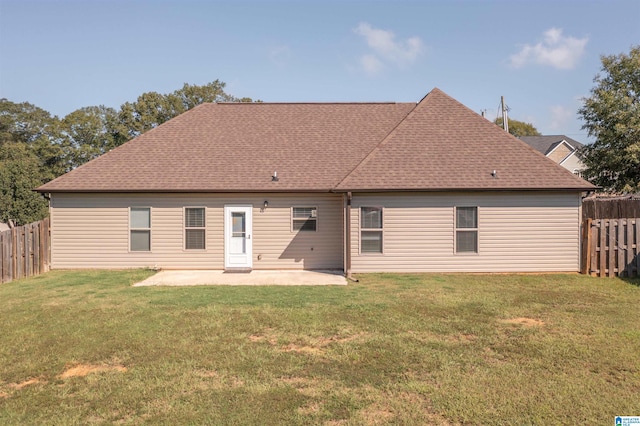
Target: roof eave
x=178 y=191
x=561 y=189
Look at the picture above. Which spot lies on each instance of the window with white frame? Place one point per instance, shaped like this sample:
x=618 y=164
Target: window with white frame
x=304 y=218
x=466 y=229
x=371 y=230
x=195 y=230
x=140 y=229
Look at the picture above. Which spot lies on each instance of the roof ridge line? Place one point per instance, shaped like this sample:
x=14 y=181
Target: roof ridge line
x=382 y=142
x=316 y=103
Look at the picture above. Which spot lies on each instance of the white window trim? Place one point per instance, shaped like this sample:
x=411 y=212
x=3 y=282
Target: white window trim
x=184 y=228
x=455 y=232
x=381 y=230
x=140 y=229
x=304 y=207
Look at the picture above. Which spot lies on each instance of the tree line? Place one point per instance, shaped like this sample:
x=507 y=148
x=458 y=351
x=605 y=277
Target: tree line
x=36 y=147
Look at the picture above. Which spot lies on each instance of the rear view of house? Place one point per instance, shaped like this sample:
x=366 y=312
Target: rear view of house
x=359 y=187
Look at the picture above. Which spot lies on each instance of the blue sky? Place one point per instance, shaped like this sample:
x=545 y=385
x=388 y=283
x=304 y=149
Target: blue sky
x=541 y=56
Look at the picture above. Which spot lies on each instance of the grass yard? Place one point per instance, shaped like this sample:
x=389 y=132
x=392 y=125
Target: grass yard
x=84 y=347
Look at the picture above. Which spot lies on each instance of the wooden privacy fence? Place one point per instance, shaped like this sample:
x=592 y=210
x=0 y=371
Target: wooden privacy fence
x=611 y=247
x=24 y=251
x=611 y=207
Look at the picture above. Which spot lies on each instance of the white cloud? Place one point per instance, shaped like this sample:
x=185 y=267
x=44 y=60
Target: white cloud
x=385 y=49
x=370 y=64
x=554 y=50
x=560 y=116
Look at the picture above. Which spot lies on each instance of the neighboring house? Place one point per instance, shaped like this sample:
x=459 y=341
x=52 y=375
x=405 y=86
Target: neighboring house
x=4 y=227
x=359 y=187
x=560 y=148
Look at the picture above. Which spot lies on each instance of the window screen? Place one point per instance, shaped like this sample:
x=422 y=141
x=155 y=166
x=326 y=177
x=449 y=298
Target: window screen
x=195 y=228
x=305 y=219
x=140 y=229
x=371 y=230
x=466 y=230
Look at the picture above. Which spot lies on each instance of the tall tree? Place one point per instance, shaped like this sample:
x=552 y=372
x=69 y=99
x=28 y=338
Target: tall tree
x=612 y=115
x=27 y=124
x=90 y=132
x=20 y=173
x=519 y=128
x=36 y=147
x=152 y=109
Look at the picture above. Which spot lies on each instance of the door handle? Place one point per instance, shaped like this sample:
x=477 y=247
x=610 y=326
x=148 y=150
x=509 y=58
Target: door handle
x=248 y=236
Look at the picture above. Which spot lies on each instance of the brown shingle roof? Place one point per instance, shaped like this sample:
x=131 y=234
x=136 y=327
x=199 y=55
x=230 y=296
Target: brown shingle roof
x=545 y=144
x=443 y=145
x=238 y=146
x=435 y=145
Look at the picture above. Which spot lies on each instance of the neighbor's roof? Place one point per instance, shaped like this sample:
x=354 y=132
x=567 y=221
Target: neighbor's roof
x=438 y=144
x=546 y=144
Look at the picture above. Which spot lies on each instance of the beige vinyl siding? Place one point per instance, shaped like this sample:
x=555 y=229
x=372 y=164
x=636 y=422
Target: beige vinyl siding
x=92 y=231
x=517 y=232
x=559 y=153
x=573 y=163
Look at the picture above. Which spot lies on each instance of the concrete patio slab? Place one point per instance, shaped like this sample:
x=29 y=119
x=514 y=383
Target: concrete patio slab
x=192 y=278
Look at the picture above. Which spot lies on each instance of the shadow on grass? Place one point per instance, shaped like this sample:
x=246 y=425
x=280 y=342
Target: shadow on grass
x=633 y=281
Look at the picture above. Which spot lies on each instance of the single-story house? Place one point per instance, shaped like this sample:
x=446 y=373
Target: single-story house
x=359 y=187
x=560 y=148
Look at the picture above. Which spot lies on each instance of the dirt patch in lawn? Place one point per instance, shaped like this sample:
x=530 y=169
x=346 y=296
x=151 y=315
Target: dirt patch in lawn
x=314 y=346
x=527 y=322
x=82 y=370
x=302 y=349
x=26 y=383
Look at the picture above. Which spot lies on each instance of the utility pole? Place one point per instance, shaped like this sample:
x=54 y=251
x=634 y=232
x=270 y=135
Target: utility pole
x=505 y=119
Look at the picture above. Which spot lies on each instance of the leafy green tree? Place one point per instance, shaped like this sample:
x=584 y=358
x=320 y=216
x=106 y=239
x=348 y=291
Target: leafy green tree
x=36 y=147
x=612 y=115
x=39 y=131
x=90 y=132
x=20 y=173
x=519 y=128
x=23 y=122
x=152 y=109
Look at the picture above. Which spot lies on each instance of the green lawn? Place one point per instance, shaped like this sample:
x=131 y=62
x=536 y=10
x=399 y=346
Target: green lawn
x=84 y=347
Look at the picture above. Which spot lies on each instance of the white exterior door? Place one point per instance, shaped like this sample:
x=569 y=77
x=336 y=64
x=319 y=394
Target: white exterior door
x=237 y=237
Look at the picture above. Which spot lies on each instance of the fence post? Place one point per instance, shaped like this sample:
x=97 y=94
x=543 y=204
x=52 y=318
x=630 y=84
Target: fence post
x=612 y=249
x=593 y=238
x=637 y=254
x=603 y=248
x=586 y=246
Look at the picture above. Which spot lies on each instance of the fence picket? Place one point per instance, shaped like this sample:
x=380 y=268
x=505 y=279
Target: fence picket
x=24 y=251
x=613 y=247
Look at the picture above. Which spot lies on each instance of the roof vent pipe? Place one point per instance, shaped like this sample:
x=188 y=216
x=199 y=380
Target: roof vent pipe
x=274 y=178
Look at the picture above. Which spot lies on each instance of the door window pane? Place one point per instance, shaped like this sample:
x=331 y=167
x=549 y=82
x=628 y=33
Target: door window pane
x=237 y=224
